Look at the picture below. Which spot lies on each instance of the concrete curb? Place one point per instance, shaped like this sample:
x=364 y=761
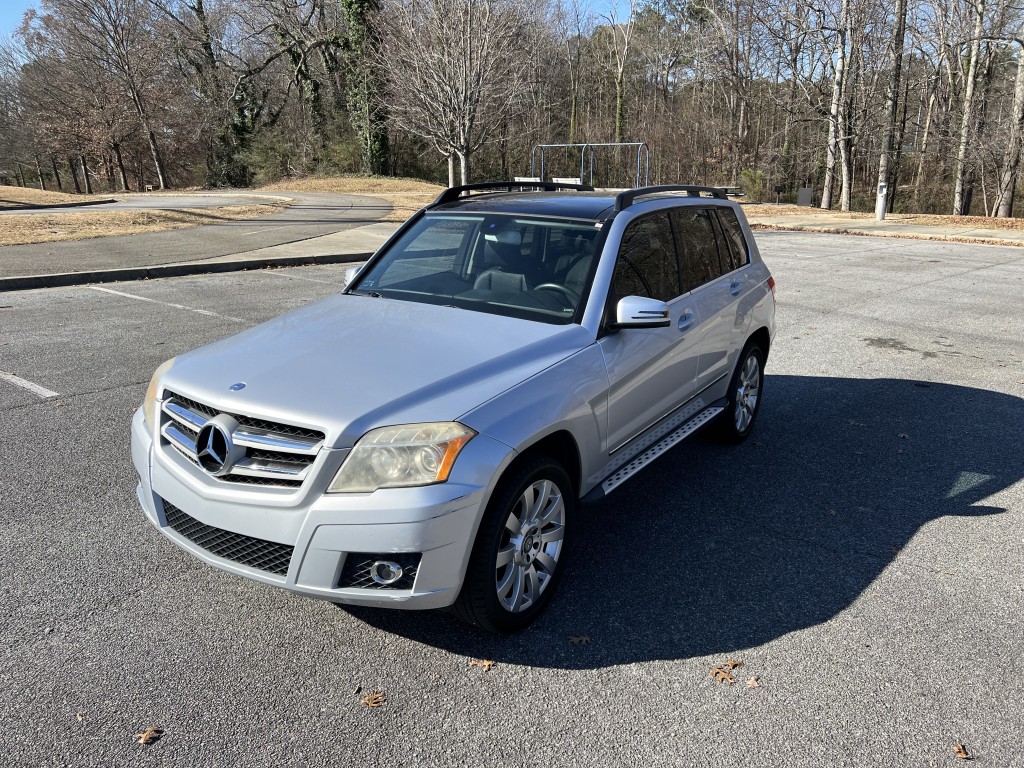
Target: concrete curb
x=40 y=207
x=64 y=279
x=933 y=236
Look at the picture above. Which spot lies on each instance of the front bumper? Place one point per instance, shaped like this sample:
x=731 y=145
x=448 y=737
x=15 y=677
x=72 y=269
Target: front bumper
x=439 y=521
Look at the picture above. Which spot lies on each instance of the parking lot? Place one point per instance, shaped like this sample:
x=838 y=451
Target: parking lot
x=861 y=555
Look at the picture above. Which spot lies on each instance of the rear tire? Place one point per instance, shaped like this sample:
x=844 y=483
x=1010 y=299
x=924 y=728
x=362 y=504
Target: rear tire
x=744 y=398
x=518 y=555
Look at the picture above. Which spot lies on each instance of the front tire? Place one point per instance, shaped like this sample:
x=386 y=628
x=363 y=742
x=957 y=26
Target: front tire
x=518 y=554
x=744 y=398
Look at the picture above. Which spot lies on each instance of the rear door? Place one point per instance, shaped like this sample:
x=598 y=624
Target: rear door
x=652 y=370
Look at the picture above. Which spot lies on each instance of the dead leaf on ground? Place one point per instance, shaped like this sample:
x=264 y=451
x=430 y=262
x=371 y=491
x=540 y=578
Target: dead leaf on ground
x=79 y=716
x=722 y=676
x=579 y=639
x=961 y=751
x=484 y=663
x=373 y=699
x=904 y=436
x=358 y=690
x=732 y=664
x=149 y=736
x=754 y=682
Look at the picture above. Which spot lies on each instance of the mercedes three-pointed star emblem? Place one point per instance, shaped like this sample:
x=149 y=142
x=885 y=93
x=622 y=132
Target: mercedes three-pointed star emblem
x=213 y=447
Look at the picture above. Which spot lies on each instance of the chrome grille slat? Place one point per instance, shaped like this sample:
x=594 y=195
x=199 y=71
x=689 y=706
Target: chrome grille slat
x=276 y=454
x=266 y=440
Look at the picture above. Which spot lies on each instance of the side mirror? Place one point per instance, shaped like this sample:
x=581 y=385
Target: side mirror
x=350 y=275
x=641 y=312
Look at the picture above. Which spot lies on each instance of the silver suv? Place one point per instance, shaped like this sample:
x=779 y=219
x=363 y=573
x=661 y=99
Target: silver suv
x=425 y=437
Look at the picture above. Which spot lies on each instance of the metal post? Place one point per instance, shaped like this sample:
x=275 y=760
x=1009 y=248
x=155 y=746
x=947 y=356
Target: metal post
x=881 y=200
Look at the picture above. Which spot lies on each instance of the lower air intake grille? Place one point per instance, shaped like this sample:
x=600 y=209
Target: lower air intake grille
x=356 y=572
x=267 y=556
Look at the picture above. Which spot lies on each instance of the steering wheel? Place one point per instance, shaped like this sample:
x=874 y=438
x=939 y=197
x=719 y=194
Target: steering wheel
x=566 y=293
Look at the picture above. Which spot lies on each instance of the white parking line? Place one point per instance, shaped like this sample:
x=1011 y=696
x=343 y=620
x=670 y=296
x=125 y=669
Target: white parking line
x=299 y=277
x=166 y=304
x=25 y=384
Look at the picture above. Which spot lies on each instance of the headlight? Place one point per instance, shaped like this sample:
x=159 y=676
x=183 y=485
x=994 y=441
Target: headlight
x=149 y=404
x=395 y=457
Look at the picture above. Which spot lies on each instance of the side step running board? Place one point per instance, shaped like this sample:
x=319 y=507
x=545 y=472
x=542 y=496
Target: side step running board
x=621 y=475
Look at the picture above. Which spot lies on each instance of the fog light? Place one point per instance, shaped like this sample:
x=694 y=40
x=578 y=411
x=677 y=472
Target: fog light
x=385 y=572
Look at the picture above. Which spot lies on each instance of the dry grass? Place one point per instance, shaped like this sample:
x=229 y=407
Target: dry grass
x=355 y=185
x=21 y=229
x=928 y=219
x=14 y=197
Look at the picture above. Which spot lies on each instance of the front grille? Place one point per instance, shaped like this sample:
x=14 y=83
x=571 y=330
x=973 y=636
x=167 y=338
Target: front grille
x=276 y=455
x=356 y=572
x=264 y=555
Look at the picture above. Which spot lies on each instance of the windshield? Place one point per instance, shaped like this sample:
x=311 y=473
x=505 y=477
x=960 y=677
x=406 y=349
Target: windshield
x=537 y=269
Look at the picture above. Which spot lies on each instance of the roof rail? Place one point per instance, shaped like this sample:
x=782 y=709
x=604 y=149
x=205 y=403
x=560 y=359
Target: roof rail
x=625 y=199
x=454 y=193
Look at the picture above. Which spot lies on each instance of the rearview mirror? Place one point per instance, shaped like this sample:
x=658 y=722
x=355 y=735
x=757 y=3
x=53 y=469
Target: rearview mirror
x=641 y=312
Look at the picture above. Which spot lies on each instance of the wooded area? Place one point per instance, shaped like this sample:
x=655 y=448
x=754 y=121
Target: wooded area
x=837 y=95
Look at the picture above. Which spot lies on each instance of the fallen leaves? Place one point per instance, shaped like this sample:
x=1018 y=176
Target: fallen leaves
x=722 y=675
x=961 y=751
x=149 y=736
x=486 y=664
x=373 y=699
x=579 y=639
x=904 y=436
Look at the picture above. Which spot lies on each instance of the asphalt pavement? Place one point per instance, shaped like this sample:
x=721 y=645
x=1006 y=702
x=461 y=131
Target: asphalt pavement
x=310 y=215
x=860 y=555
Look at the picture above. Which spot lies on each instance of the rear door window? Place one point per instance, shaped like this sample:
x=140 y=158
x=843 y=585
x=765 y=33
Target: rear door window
x=699 y=262
x=647 y=260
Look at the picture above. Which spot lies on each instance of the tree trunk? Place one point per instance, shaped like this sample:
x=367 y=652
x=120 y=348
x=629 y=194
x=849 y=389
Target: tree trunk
x=961 y=201
x=835 y=109
x=39 y=173
x=892 y=92
x=464 y=165
x=121 y=173
x=85 y=175
x=56 y=173
x=1011 y=158
x=74 y=175
x=451 y=170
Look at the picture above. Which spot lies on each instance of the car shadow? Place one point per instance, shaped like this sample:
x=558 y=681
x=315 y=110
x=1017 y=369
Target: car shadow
x=716 y=548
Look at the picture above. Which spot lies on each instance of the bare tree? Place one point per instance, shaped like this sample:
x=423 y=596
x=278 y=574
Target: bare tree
x=456 y=69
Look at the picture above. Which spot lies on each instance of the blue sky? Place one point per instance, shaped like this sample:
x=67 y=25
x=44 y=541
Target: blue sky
x=10 y=14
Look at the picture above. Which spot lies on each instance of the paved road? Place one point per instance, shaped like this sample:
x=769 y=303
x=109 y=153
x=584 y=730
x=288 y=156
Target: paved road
x=860 y=554
x=311 y=215
x=158 y=201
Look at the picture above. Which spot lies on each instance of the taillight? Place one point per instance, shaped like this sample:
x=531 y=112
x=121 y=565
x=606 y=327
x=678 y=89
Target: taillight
x=771 y=284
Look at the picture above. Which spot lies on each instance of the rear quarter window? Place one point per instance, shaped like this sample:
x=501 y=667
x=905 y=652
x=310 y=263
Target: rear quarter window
x=739 y=254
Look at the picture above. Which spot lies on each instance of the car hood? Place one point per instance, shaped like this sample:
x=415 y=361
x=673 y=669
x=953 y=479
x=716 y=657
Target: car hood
x=350 y=363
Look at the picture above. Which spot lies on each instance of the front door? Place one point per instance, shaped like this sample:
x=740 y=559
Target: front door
x=651 y=371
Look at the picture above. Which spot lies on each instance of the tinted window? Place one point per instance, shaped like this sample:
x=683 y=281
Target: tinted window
x=698 y=248
x=647 y=260
x=734 y=237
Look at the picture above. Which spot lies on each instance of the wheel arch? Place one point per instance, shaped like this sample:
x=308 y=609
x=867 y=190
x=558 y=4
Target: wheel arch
x=560 y=446
x=762 y=338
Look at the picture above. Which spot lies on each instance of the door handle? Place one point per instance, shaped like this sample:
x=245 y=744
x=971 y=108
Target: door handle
x=734 y=287
x=686 y=320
